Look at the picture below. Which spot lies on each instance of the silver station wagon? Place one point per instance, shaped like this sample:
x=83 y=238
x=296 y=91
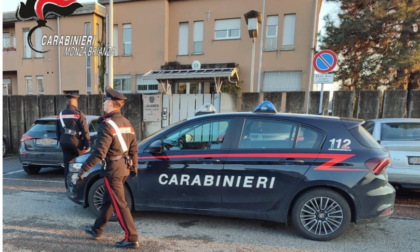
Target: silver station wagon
x=401 y=138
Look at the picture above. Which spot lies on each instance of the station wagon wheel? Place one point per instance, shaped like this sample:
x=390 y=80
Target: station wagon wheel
x=95 y=198
x=321 y=215
x=31 y=169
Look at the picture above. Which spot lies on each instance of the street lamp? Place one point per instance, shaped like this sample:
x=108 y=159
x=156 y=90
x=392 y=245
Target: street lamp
x=252 y=18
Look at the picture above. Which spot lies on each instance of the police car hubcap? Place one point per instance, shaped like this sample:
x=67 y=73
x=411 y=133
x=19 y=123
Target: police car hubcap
x=321 y=216
x=98 y=197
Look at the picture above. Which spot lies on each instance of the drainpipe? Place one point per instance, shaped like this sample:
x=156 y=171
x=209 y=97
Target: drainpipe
x=111 y=44
x=59 y=58
x=311 y=70
x=261 y=47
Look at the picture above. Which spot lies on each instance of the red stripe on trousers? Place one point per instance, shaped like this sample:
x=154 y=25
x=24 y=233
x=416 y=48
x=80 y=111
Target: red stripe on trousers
x=117 y=209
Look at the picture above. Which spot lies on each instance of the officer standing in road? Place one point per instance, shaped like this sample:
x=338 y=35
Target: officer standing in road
x=72 y=132
x=116 y=145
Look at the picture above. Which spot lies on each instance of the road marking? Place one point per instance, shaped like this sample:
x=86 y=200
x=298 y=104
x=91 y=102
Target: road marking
x=34 y=189
x=13 y=172
x=36 y=180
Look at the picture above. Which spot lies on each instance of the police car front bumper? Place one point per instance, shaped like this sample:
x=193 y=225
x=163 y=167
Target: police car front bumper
x=75 y=186
x=73 y=191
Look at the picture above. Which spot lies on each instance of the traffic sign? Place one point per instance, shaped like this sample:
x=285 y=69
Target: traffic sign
x=323 y=78
x=324 y=61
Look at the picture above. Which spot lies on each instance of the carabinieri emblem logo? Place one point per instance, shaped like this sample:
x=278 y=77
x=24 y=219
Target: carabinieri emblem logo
x=40 y=10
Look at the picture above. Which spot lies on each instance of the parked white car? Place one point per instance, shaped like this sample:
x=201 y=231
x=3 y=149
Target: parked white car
x=401 y=138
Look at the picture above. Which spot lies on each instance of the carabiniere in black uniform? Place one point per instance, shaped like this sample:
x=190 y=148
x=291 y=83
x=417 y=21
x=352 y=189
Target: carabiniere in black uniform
x=119 y=164
x=72 y=133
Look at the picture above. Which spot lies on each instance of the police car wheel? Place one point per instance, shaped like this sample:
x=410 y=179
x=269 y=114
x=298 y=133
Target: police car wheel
x=31 y=169
x=95 y=198
x=321 y=214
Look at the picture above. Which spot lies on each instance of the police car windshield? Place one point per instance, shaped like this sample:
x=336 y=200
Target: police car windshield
x=157 y=132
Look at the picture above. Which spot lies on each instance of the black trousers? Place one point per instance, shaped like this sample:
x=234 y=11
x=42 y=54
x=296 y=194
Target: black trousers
x=70 y=150
x=114 y=198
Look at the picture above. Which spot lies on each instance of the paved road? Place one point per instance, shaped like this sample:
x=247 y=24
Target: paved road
x=39 y=217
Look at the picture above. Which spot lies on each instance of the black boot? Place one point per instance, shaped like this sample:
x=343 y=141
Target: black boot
x=94 y=235
x=127 y=244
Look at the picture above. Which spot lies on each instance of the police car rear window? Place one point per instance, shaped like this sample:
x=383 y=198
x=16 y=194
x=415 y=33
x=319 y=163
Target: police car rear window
x=364 y=137
x=277 y=134
x=267 y=134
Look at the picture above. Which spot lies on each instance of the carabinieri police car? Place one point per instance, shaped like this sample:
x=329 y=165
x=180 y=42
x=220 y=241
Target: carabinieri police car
x=319 y=173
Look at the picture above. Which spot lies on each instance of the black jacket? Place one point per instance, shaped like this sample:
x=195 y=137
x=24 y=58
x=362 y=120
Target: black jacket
x=74 y=120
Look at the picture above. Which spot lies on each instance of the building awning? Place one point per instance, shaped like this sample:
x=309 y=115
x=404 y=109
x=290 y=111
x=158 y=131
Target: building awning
x=182 y=74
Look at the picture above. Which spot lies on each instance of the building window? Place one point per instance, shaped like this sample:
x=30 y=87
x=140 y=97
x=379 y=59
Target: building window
x=27 y=53
x=38 y=43
x=271 y=34
x=183 y=39
x=127 y=39
x=227 y=29
x=40 y=84
x=277 y=81
x=7 y=86
x=289 y=32
x=146 y=86
x=8 y=42
x=115 y=45
x=29 y=86
x=122 y=83
x=198 y=37
x=188 y=88
x=88 y=61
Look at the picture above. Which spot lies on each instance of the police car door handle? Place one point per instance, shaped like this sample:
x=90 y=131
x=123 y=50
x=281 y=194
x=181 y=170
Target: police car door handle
x=209 y=160
x=291 y=161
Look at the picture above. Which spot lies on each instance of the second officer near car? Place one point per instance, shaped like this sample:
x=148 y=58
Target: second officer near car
x=116 y=145
x=72 y=132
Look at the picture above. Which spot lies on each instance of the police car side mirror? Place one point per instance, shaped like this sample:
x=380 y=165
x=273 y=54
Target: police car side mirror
x=155 y=147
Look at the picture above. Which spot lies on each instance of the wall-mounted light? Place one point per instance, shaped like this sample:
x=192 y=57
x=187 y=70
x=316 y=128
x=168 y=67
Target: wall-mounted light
x=253 y=18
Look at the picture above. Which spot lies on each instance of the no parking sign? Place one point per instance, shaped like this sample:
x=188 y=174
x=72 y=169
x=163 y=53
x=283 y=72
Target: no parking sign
x=324 y=61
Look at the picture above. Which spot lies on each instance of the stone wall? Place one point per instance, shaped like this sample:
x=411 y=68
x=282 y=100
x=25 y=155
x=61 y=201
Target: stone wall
x=19 y=112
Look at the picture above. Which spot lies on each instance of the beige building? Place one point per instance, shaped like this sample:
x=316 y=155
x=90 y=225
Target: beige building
x=26 y=71
x=172 y=46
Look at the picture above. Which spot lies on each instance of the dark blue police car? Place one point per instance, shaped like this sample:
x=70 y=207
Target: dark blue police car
x=319 y=173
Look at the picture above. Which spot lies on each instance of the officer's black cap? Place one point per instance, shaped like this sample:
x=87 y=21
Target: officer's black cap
x=69 y=96
x=113 y=94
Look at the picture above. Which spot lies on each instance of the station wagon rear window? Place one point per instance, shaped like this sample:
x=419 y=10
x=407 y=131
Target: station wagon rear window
x=400 y=131
x=43 y=126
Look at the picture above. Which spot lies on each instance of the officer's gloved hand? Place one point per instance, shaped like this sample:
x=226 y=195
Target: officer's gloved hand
x=86 y=147
x=133 y=173
x=80 y=174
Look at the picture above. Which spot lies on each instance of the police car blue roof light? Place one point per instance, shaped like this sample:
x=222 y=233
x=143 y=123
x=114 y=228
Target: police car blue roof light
x=206 y=108
x=265 y=107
